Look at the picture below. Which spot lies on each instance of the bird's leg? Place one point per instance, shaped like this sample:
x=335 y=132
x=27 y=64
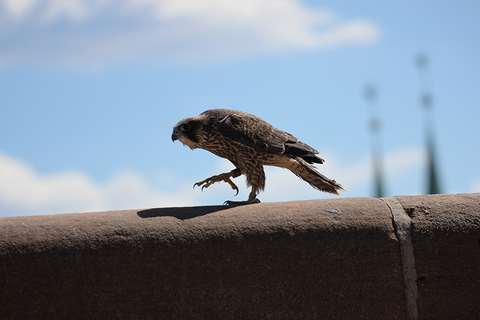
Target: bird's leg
x=252 y=198
x=220 y=177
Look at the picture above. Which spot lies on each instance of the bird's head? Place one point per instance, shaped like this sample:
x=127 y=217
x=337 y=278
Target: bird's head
x=187 y=132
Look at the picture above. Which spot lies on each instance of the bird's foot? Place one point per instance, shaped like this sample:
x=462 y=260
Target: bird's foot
x=252 y=198
x=220 y=177
x=240 y=203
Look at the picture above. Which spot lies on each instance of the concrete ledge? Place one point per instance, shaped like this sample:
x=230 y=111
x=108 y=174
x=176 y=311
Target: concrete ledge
x=446 y=237
x=327 y=259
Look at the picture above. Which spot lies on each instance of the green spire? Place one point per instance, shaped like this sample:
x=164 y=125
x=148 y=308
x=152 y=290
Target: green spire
x=433 y=183
x=370 y=94
x=426 y=100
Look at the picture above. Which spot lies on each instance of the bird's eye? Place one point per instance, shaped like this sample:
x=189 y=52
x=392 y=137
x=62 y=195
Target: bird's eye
x=185 y=127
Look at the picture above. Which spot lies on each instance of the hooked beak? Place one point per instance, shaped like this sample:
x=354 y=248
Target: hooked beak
x=176 y=135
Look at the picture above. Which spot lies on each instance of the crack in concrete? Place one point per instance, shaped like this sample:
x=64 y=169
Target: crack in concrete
x=402 y=224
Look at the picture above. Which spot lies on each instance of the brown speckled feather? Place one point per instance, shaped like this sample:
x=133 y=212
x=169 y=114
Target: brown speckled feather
x=250 y=143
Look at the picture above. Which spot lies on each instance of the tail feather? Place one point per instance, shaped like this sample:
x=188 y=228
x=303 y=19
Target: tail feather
x=308 y=173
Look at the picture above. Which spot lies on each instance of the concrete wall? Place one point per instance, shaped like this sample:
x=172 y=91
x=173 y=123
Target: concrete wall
x=415 y=257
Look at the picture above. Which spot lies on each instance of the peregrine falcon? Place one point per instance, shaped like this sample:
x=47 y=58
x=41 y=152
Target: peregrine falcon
x=250 y=143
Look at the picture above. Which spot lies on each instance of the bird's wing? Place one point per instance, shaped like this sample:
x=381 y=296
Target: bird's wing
x=251 y=131
x=254 y=132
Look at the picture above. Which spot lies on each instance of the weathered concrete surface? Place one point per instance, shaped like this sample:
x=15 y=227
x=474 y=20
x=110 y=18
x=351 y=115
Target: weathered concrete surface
x=446 y=237
x=318 y=259
x=306 y=260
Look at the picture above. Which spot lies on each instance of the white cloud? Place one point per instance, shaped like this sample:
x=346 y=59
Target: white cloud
x=476 y=186
x=83 y=32
x=24 y=191
x=17 y=9
x=73 y=10
x=354 y=176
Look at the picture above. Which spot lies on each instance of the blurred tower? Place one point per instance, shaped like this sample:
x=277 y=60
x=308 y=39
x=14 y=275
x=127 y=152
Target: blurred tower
x=426 y=101
x=370 y=94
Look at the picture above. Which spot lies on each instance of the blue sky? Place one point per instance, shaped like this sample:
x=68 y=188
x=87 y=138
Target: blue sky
x=90 y=91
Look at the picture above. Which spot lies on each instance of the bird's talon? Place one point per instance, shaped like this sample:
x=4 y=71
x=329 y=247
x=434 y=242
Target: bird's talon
x=225 y=177
x=240 y=203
